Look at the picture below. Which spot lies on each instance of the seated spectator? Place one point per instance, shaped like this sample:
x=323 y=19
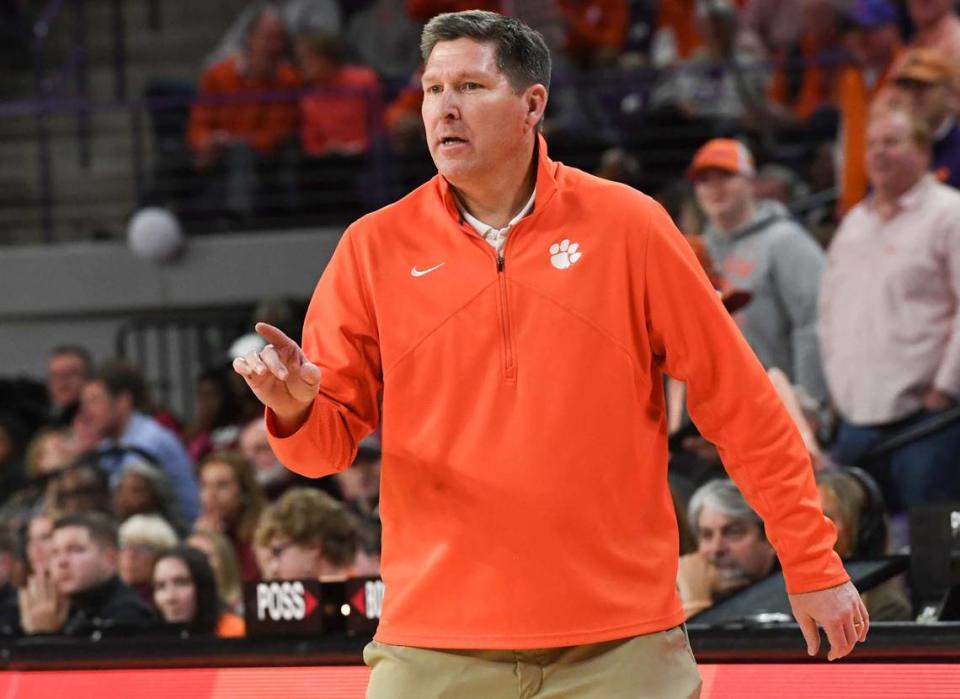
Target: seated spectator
x=926 y=84
x=403 y=161
x=38 y=544
x=113 y=405
x=14 y=437
x=339 y=110
x=369 y=545
x=68 y=367
x=143 y=538
x=299 y=16
x=185 y=593
x=272 y=476
x=245 y=114
x=678 y=33
x=877 y=47
x=275 y=478
x=143 y=489
x=385 y=38
x=937 y=27
x=723 y=82
x=307 y=534
x=83 y=594
x=217 y=414
x=340 y=113
x=732 y=550
x=776 y=24
x=596 y=31
x=890 y=317
x=230 y=503
x=852 y=500
x=10 y=570
x=757 y=247
x=222 y=559
x=82 y=487
x=49 y=452
x=807 y=82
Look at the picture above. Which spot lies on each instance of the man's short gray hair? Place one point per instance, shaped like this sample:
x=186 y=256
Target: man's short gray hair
x=722 y=495
x=522 y=54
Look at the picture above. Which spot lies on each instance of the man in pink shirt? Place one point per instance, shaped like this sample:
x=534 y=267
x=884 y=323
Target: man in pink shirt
x=890 y=316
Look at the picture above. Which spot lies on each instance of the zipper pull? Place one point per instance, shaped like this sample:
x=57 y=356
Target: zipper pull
x=499 y=263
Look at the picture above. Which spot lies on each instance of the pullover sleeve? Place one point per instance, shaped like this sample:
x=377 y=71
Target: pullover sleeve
x=735 y=406
x=340 y=336
x=798 y=266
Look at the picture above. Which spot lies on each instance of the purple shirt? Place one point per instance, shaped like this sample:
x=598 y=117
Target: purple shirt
x=889 y=310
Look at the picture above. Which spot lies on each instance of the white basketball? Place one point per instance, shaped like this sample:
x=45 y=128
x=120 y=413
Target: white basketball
x=154 y=234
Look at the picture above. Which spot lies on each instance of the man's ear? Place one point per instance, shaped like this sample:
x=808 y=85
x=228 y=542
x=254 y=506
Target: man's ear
x=535 y=101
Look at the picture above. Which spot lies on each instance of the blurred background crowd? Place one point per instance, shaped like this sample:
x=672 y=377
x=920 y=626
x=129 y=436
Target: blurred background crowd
x=809 y=150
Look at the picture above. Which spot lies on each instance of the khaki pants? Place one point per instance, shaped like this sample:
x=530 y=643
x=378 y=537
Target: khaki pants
x=652 y=666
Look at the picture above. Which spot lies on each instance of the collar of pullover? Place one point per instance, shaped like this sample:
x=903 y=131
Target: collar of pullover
x=545 y=188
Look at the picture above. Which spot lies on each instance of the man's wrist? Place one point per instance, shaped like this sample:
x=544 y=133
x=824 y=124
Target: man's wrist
x=288 y=423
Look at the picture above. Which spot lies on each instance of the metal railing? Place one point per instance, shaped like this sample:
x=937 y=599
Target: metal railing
x=172 y=349
x=624 y=94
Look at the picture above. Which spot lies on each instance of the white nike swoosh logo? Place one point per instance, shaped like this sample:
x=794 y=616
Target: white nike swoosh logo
x=419 y=273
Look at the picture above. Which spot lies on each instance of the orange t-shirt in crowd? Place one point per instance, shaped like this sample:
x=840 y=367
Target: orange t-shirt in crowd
x=819 y=81
x=597 y=24
x=524 y=492
x=855 y=100
x=342 y=115
x=231 y=626
x=238 y=110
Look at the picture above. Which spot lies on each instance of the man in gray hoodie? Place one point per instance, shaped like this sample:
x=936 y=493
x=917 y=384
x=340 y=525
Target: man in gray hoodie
x=758 y=247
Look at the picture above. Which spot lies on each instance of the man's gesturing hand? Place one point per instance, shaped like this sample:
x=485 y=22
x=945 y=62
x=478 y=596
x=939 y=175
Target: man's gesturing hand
x=839 y=610
x=282 y=377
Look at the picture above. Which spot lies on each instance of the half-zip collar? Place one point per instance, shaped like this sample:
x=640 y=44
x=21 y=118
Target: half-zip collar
x=497 y=237
x=544 y=189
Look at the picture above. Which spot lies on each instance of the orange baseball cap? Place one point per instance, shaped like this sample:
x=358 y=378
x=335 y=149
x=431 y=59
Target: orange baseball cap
x=924 y=66
x=722 y=154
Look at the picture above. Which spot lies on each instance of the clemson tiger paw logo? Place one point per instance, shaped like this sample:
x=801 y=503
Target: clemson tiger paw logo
x=564 y=254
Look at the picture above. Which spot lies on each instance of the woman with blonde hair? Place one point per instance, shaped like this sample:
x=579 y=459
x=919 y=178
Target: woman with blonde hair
x=230 y=503
x=219 y=552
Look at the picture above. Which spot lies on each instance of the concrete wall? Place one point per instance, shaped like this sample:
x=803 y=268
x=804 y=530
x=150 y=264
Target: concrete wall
x=84 y=292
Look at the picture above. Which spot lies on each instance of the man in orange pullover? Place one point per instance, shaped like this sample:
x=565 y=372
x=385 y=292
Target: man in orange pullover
x=498 y=313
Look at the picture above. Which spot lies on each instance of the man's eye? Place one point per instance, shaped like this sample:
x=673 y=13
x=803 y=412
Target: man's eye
x=470 y=86
x=434 y=89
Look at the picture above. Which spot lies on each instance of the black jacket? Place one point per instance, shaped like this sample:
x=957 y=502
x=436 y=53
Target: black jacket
x=112 y=608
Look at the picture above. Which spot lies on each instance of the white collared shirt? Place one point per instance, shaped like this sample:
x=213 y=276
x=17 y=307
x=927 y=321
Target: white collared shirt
x=497 y=237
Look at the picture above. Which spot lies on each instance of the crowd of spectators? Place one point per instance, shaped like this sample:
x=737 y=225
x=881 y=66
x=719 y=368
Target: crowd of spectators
x=121 y=520
x=309 y=110
x=729 y=112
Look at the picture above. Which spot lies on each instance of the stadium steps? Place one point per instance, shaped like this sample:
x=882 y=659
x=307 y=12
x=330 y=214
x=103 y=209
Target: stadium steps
x=96 y=201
